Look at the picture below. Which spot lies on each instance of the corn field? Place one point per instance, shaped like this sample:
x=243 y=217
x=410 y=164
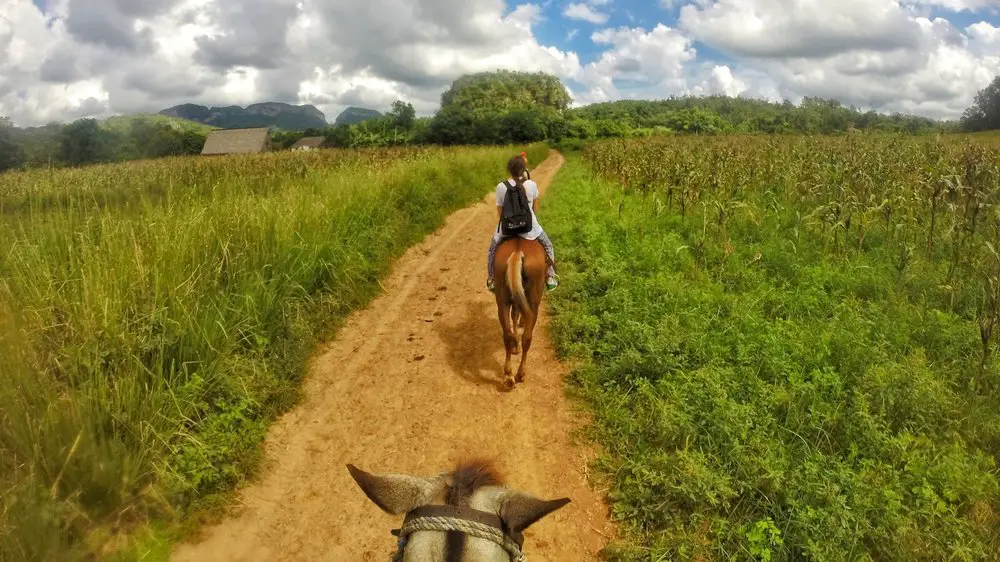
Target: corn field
x=935 y=200
x=789 y=343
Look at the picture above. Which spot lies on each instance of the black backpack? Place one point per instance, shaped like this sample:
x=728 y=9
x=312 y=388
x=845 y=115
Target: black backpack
x=515 y=217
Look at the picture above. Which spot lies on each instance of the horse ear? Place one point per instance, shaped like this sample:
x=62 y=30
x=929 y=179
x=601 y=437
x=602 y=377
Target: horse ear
x=520 y=511
x=396 y=493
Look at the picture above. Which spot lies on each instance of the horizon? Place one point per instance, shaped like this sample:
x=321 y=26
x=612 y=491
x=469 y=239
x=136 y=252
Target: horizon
x=94 y=58
x=330 y=122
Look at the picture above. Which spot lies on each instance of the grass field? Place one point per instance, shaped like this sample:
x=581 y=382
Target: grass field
x=789 y=343
x=155 y=316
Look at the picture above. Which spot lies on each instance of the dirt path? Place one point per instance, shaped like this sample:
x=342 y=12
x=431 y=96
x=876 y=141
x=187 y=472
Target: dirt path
x=411 y=384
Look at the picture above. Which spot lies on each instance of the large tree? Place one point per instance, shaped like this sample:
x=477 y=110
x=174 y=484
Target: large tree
x=504 y=90
x=83 y=142
x=984 y=115
x=500 y=107
x=402 y=115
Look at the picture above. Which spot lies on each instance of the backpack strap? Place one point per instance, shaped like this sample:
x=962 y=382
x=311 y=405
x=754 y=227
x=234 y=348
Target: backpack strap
x=509 y=187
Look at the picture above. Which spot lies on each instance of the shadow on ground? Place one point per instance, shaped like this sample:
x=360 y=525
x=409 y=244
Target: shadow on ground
x=473 y=342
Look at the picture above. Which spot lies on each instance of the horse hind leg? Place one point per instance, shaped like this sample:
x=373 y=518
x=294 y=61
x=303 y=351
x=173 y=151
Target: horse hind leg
x=509 y=342
x=516 y=319
x=529 y=328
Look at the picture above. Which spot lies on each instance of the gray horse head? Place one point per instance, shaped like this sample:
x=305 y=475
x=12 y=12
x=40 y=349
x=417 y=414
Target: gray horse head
x=460 y=516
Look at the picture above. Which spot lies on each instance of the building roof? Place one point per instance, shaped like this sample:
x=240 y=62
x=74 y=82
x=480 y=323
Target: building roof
x=310 y=142
x=236 y=141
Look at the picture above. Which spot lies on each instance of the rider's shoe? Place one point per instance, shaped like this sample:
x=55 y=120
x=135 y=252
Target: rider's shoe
x=552 y=282
x=491 y=285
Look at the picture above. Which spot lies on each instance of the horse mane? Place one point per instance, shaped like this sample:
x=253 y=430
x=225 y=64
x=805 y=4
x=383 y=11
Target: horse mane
x=468 y=477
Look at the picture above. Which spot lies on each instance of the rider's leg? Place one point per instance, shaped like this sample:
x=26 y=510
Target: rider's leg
x=552 y=281
x=490 y=255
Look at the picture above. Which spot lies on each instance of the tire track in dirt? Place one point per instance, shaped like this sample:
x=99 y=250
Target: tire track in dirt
x=412 y=384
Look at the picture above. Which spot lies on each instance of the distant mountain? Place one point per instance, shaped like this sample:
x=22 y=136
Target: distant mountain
x=269 y=114
x=353 y=115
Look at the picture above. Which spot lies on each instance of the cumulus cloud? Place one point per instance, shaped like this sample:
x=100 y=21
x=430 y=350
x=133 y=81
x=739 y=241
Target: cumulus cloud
x=581 y=11
x=990 y=6
x=100 y=57
x=802 y=28
x=872 y=53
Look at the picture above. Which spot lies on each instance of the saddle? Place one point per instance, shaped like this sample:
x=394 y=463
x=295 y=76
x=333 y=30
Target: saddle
x=507 y=237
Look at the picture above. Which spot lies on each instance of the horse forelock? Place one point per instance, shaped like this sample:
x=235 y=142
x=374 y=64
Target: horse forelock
x=468 y=477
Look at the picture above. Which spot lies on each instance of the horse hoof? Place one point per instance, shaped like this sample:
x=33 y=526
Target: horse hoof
x=508 y=383
x=519 y=377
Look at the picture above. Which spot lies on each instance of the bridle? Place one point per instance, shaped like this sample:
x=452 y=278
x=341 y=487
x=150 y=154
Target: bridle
x=472 y=522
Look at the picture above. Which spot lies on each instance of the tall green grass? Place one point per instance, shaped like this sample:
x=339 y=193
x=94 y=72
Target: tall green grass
x=156 y=316
x=762 y=391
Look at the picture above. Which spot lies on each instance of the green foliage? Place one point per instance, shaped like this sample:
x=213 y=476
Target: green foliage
x=786 y=343
x=502 y=91
x=723 y=114
x=984 y=114
x=397 y=128
x=402 y=115
x=124 y=124
x=11 y=153
x=83 y=142
x=156 y=316
x=499 y=108
x=88 y=141
x=503 y=107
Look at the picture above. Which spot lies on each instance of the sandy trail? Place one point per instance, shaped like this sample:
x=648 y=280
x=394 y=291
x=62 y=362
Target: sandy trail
x=412 y=384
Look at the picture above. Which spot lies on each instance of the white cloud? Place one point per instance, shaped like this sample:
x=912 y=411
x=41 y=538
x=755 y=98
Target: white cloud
x=580 y=11
x=801 y=28
x=145 y=55
x=871 y=53
x=722 y=80
x=653 y=62
x=957 y=5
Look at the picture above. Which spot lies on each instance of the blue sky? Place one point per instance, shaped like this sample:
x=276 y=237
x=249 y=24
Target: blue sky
x=555 y=28
x=575 y=34
x=77 y=58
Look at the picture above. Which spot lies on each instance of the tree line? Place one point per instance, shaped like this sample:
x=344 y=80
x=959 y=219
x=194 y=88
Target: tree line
x=499 y=107
x=511 y=107
x=89 y=141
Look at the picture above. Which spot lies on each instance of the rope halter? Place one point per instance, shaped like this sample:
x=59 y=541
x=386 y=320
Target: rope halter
x=471 y=522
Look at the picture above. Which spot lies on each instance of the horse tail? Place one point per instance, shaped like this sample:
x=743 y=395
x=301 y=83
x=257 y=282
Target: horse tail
x=515 y=280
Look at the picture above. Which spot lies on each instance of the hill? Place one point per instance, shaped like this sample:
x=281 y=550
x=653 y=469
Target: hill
x=268 y=114
x=353 y=115
x=123 y=123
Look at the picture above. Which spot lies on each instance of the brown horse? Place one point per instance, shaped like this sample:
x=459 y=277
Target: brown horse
x=461 y=516
x=520 y=267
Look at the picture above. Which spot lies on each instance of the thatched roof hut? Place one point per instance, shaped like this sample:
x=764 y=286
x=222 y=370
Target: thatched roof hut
x=237 y=141
x=309 y=143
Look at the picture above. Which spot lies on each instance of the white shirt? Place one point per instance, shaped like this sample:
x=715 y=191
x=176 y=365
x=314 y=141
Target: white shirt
x=531 y=189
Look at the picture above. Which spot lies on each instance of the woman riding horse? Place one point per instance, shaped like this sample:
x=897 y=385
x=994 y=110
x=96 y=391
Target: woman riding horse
x=517 y=167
